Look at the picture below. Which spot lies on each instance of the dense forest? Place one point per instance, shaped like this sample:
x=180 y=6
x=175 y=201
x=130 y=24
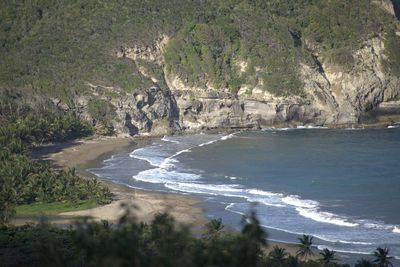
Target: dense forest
x=24 y=180
x=56 y=48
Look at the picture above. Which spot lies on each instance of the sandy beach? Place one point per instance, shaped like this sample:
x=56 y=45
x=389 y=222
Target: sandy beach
x=84 y=154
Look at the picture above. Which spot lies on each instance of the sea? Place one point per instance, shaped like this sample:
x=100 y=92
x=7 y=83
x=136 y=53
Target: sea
x=342 y=186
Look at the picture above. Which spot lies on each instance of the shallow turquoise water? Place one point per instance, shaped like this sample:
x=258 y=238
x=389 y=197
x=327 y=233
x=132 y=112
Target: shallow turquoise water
x=341 y=186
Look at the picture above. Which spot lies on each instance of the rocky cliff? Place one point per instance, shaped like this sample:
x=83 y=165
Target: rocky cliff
x=333 y=96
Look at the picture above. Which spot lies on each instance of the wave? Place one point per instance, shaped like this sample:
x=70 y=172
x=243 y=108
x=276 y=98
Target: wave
x=162 y=176
x=325 y=217
x=231 y=177
x=197 y=188
x=145 y=154
x=295 y=200
x=315 y=235
x=189 y=183
x=165 y=162
x=171 y=175
x=223 y=138
x=311 y=127
x=232 y=190
x=322 y=247
x=208 y=143
x=263 y=193
x=393 y=126
x=169 y=139
x=110 y=159
x=276 y=129
x=226 y=137
x=354 y=242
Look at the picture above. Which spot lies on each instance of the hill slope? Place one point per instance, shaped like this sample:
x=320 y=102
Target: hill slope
x=159 y=66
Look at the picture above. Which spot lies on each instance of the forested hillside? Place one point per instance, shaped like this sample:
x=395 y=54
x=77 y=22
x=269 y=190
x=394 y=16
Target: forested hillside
x=78 y=51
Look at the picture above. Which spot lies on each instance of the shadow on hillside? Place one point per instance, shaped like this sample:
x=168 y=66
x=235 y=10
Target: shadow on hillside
x=43 y=153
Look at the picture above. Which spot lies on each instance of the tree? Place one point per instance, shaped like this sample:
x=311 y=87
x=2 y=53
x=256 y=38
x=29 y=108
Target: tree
x=364 y=263
x=7 y=200
x=214 y=227
x=248 y=247
x=328 y=256
x=278 y=256
x=382 y=257
x=305 y=247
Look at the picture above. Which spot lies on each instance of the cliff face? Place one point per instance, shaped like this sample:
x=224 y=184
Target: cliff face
x=332 y=97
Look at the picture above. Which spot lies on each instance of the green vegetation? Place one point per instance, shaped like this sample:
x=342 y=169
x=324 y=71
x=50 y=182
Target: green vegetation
x=305 y=250
x=340 y=27
x=55 y=47
x=392 y=48
x=161 y=242
x=102 y=112
x=26 y=181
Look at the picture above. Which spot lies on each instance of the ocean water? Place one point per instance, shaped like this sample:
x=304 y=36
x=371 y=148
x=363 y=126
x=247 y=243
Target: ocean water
x=341 y=186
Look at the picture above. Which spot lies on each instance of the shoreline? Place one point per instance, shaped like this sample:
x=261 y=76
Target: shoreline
x=88 y=153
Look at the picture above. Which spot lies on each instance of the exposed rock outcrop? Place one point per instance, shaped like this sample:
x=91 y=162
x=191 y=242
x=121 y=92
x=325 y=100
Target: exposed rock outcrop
x=332 y=97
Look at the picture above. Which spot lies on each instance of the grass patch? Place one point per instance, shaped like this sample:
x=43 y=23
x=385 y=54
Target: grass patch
x=52 y=208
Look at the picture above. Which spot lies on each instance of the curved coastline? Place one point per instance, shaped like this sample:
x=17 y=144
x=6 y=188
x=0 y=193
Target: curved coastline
x=161 y=164
x=91 y=153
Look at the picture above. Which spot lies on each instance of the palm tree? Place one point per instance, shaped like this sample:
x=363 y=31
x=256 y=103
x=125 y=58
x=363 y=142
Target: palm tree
x=293 y=261
x=305 y=247
x=382 y=257
x=328 y=256
x=278 y=256
x=214 y=227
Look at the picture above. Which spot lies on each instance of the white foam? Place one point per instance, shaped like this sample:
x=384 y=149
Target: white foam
x=168 y=139
x=322 y=247
x=208 y=143
x=317 y=236
x=226 y=137
x=231 y=177
x=146 y=154
x=353 y=242
x=325 y=217
x=310 y=127
x=266 y=202
x=393 y=126
x=156 y=162
x=110 y=159
x=396 y=230
x=197 y=188
x=229 y=206
x=161 y=176
x=297 y=202
x=262 y=193
x=378 y=225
